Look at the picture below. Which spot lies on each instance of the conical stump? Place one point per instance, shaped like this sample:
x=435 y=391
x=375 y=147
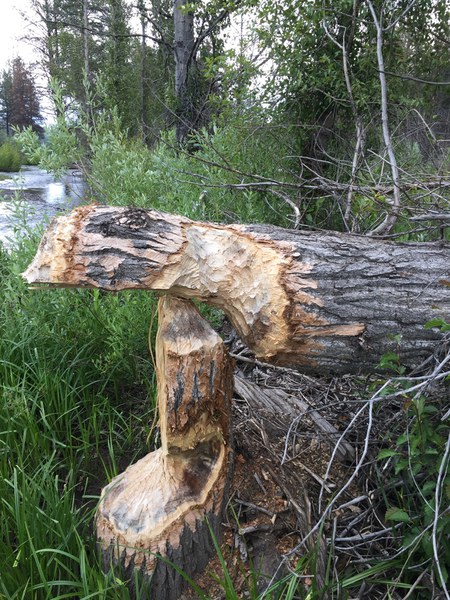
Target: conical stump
x=168 y=503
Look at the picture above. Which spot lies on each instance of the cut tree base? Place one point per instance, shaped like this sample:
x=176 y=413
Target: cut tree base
x=170 y=502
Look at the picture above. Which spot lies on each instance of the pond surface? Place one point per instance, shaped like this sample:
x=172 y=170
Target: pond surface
x=42 y=197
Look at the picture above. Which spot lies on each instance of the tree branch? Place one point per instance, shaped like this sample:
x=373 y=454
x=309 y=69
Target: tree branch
x=392 y=216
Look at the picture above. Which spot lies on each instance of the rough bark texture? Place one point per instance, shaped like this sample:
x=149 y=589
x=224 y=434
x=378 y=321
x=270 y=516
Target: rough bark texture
x=327 y=302
x=183 y=22
x=163 y=503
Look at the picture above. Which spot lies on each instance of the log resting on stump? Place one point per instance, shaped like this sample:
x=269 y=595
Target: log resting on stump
x=326 y=302
x=166 y=502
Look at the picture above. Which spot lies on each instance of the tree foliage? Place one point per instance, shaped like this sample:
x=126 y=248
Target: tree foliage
x=351 y=90
x=19 y=103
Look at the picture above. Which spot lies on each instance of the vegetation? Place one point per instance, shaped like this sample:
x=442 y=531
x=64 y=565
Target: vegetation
x=319 y=114
x=10 y=158
x=19 y=104
x=68 y=423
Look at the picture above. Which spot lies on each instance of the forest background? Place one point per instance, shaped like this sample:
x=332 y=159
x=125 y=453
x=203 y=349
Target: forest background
x=331 y=115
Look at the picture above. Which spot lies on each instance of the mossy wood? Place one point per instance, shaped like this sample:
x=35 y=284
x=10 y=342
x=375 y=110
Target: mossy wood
x=168 y=501
x=324 y=301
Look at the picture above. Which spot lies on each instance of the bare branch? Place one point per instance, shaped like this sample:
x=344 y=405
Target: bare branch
x=392 y=215
x=416 y=79
x=395 y=21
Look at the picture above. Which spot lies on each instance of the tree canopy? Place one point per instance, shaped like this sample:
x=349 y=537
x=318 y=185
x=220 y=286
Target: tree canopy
x=350 y=99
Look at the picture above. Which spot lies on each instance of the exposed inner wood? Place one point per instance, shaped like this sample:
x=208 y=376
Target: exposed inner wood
x=148 y=508
x=323 y=301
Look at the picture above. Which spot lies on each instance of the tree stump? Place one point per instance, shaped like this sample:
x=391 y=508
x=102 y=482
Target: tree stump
x=167 y=502
x=323 y=301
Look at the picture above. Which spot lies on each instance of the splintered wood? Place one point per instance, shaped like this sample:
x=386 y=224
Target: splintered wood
x=165 y=503
x=323 y=301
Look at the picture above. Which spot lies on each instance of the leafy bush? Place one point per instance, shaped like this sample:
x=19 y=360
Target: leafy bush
x=10 y=159
x=207 y=184
x=419 y=459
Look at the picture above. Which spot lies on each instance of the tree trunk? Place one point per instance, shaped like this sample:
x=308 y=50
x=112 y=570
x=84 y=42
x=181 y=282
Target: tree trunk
x=168 y=501
x=183 y=21
x=327 y=302
x=85 y=33
x=143 y=78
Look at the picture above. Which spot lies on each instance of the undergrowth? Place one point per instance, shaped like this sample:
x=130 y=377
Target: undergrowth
x=10 y=159
x=414 y=475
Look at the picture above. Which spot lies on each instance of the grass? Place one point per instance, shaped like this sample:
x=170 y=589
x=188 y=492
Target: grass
x=77 y=393
x=76 y=407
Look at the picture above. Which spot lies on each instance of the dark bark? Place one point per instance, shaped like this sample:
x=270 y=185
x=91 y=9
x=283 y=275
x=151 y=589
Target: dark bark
x=184 y=60
x=327 y=302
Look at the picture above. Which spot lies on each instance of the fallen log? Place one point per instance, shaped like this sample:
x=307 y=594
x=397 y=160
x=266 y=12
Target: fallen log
x=324 y=301
x=170 y=501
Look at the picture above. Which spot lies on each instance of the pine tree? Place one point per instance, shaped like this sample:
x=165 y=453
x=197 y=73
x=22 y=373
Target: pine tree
x=5 y=102
x=23 y=99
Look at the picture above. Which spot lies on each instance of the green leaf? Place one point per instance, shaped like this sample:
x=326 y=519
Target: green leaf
x=444 y=575
x=428 y=488
x=399 y=515
x=402 y=464
x=431 y=451
x=386 y=453
x=412 y=536
x=439 y=323
x=427 y=545
x=390 y=360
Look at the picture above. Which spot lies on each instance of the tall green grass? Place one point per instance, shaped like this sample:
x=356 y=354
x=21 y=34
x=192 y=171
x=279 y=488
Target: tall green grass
x=76 y=407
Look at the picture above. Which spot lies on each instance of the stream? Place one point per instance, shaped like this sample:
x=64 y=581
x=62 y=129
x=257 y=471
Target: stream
x=42 y=197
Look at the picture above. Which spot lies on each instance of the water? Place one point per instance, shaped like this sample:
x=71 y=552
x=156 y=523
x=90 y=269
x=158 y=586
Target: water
x=42 y=198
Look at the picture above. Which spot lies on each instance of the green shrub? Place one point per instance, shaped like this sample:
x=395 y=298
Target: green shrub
x=10 y=159
x=418 y=458
x=208 y=184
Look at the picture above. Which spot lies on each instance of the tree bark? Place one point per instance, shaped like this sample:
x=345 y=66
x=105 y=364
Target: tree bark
x=167 y=502
x=326 y=302
x=183 y=20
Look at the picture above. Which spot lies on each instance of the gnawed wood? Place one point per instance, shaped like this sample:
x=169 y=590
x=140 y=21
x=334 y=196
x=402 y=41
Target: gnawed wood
x=165 y=503
x=327 y=302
